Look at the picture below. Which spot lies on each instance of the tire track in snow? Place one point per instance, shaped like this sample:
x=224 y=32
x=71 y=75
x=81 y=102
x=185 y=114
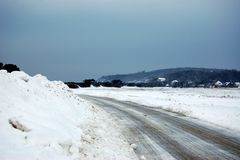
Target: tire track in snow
x=180 y=138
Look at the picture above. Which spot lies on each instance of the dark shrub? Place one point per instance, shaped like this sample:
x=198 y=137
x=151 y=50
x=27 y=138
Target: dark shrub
x=72 y=85
x=1 y=65
x=84 y=85
x=117 y=83
x=10 y=67
x=106 y=84
x=131 y=84
x=87 y=83
x=96 y=84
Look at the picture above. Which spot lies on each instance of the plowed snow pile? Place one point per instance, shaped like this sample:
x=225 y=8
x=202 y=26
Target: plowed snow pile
x=42 y=119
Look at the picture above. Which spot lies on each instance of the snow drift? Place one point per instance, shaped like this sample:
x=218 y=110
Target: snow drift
x=42 y=119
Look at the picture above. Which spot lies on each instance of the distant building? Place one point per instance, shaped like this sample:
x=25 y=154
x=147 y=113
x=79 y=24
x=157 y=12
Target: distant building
x=174 y=83
x=237 y=84
x=218 y=84
x=161 y=79
x=229 y=85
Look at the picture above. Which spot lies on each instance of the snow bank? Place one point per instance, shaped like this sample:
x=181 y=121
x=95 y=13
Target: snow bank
x=218 y=106
x=42 y=119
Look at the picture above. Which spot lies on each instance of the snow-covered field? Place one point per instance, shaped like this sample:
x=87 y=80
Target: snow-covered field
x=218 y=106
x=40 y=119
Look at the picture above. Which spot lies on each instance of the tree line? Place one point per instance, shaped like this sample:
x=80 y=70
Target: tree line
x=9 y=67
x=153 y=83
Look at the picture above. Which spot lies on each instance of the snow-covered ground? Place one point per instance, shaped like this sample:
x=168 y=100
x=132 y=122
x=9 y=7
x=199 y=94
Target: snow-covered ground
x=218 y=106
x=40 y=119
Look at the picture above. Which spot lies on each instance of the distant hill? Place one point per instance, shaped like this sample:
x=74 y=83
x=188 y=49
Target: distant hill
x=196 y=75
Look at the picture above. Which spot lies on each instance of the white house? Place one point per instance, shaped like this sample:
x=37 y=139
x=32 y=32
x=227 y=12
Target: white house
x=218 y=84
x=161 y=79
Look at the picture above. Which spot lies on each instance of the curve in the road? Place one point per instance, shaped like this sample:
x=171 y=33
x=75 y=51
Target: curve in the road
x=162 y=135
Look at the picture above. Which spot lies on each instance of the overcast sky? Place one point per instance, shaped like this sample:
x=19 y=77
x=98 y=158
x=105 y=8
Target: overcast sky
x=72 y=40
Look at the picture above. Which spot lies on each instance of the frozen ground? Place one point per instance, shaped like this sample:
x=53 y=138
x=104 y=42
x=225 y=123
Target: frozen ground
x=218 y=106
x=158 y=134
x=40 y=119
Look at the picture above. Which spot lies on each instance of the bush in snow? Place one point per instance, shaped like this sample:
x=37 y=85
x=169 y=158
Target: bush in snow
x=1 y=64
x=72 y=85
x=117 y=83
x=89 y=82
x=10 y=67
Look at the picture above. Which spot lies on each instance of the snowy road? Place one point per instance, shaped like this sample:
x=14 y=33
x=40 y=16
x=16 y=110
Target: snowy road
x=159 y=134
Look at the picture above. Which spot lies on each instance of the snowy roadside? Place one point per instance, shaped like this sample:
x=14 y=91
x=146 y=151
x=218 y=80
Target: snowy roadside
x=218 y=106
x=42 y=119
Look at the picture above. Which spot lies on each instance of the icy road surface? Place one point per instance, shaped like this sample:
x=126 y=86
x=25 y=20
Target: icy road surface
x=158 y=134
